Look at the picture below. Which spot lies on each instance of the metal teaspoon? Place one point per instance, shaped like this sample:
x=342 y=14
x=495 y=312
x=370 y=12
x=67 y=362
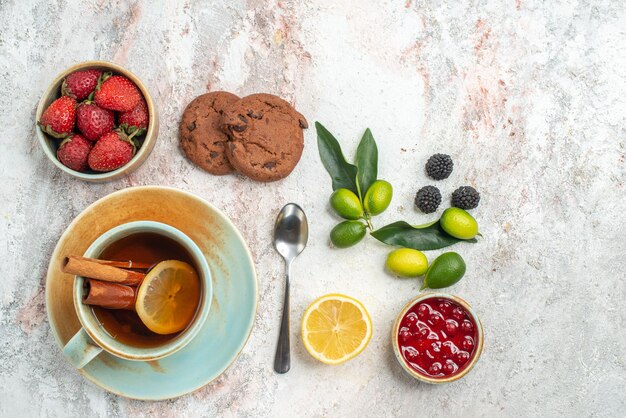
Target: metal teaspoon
x=291 y=233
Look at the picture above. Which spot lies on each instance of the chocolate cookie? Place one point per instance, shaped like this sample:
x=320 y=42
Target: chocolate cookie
x=201 y=138
x=266 y=140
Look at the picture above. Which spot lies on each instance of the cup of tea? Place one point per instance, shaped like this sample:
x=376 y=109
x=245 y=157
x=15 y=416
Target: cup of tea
x=121 y=332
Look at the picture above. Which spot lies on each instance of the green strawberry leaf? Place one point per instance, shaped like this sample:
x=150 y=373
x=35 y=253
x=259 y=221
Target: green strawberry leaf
x=366 y=162
x=48 y=130
x=430 y=237
x=342 y=173
x=104 y=77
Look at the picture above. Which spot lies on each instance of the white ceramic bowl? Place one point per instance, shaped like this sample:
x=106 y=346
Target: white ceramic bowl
x=50 y=144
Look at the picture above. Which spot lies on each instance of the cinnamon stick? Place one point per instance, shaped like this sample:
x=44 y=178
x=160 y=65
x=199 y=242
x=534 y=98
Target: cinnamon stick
x=125 y=264
x=85 y=267
x=109 y=295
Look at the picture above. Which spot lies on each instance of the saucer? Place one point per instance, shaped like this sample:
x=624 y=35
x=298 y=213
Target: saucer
x=233 y=308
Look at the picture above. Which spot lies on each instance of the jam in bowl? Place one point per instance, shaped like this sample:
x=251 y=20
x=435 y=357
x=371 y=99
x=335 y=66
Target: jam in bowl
x=437 y=338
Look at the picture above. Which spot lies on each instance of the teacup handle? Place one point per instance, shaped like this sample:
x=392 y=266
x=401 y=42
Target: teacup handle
x=81 y=349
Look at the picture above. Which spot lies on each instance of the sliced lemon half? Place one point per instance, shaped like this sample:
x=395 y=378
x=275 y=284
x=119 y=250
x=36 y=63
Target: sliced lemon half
x=336 y=328
x=168 y=297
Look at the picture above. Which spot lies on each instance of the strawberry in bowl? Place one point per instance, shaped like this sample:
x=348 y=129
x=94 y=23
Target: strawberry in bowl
x=59 y=118
x=80 y=84
x=116 y=92
x=94 y=121
x=112 y=151
x=97 y=108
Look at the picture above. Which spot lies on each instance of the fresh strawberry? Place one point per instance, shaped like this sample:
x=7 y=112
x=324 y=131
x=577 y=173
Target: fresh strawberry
x=135 y=121
x=59 y=118
x=93 y=121
x=112 y=151
x=74 y=152
x=117 y=93
x=80 y=84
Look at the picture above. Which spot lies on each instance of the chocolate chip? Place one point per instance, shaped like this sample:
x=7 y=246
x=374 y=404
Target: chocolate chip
x=242 y=118
x=255 y=115
x=191 y=126
x=238 y=128
x=214 y=154
x=271 y=164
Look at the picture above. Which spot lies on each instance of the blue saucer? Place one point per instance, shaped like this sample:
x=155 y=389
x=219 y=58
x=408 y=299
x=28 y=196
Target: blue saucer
x=233 y=308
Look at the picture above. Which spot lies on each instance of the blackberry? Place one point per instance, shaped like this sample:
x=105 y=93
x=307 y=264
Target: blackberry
x=465 y=197
x=428 y=199
x=439 y=166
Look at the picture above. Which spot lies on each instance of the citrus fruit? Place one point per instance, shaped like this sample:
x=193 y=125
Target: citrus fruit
x=168 y=297
x=378 y=197
x=459 y=223
x=407 y=262
x=446 y=270
x=346 y=204
x=336 y=328
x=347 y=233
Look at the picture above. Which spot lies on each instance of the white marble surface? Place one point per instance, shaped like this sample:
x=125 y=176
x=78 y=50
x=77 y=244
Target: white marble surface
x=527 y=96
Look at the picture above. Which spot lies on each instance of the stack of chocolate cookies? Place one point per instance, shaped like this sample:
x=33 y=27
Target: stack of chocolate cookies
x=259 y=135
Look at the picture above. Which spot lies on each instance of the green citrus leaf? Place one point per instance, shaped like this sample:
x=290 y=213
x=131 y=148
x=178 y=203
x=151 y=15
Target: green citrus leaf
x=367 y=162
x=342 y=173
x=431 y=237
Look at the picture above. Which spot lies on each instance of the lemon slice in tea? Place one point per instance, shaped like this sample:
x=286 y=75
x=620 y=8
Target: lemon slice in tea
x=168 y=297
x=336 y=328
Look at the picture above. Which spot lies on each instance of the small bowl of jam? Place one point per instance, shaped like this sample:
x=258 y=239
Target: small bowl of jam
x=437 y=338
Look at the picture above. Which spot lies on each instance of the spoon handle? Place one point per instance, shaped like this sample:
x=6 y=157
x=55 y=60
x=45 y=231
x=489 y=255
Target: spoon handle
x=282 y=361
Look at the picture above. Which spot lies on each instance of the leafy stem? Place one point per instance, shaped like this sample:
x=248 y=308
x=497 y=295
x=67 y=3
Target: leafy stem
x=368 y=220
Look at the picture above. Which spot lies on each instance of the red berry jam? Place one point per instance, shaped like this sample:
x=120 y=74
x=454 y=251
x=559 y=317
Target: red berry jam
x=437 y=337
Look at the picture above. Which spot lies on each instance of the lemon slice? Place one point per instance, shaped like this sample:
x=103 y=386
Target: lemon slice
x=336 y=328
x=168 y=297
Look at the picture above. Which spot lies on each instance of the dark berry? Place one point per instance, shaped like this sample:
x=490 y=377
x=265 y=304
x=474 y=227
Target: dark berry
x=439 y=166
x=451 y=327
x=449 y=349
x=435 y=318
x=435 y=347
x=450 y=367
x=428 y=199
x=467 y=326
x=423 y=311
x=411 y=353
x=462 y=357
x=458 y=313
x=465 y=197
x=468 y=343
x=405 y=334
x=445 y=307
x=411 y=318
x=434 y=369
x=423 y=333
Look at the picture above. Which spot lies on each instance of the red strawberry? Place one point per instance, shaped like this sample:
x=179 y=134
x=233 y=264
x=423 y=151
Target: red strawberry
x=58 y=119
x=80 y=84
x=112 y=151
x=135 y=121
x=93 y=121
x=117 y=93
x=74 y=152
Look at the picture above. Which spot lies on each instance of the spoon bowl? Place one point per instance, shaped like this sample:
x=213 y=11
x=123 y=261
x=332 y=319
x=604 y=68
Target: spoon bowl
x=291 y=231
